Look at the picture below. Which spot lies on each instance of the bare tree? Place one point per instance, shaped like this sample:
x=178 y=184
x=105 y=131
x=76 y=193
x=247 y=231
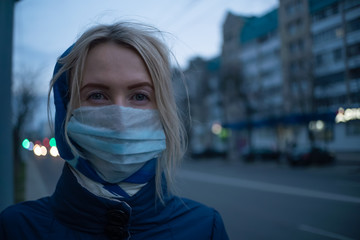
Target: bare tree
x=24 y=102
x=236 y=101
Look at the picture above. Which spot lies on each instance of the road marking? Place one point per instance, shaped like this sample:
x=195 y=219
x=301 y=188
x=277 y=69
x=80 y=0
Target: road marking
x=268 y=187
x=322 y=232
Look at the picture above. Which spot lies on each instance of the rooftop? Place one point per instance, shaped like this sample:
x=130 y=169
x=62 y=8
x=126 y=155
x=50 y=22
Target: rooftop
x=257 y=27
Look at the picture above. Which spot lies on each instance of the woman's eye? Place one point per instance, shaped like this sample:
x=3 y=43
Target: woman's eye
x=96 y=96
x=140 y=97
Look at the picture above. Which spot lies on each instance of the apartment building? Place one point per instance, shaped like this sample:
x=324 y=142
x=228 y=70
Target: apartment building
x=288 y=77
x=335 y=31
x=294 y=28
x=299 y=68
x=203 y=82
x=260 y=66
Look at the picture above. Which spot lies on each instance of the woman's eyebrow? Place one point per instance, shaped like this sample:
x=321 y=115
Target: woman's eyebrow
x=140 y=84
x=94 y=85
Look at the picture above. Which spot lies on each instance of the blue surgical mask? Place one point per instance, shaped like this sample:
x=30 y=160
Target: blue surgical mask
x=116 y=140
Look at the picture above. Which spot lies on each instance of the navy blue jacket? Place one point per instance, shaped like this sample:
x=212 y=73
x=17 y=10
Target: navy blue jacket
x=72 y=212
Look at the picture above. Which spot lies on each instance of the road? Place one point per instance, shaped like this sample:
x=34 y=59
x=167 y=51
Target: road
x=263 y=200
x=270 y=201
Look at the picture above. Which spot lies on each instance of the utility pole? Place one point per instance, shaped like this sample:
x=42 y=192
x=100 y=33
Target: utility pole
x=6 y=148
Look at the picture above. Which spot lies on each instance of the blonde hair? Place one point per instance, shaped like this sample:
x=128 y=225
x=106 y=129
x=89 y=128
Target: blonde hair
x=145 y=41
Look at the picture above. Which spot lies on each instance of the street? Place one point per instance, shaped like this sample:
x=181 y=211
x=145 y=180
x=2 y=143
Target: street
x=262 y=200
x=267 y=201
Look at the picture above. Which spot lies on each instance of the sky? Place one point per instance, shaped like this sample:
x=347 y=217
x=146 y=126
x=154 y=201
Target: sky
x=43 y=29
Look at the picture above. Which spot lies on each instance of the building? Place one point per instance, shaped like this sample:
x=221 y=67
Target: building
x=203 y=82
x=256 y=91
x=335 y=31
x=294 y=28
x=261 y=77
x=288 y=78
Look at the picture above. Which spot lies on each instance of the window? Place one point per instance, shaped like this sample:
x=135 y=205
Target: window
x=326 y=12
x=292 y=47
x=296 y=67
x=353 y=128
x=265 y=74
x=319 y=60
x=353 y=50
x=332 y=10
x=337 y=55
x=355 y=73
x=351 y=3
x=294 y=26
x=355 y=96
x=320 y=15
x=329 y=34
x=294 y=7
x=331 y=78
x=296 y=46
x=353 y=25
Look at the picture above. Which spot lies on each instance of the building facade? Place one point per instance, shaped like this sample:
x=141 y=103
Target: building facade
x=260 y=66
x=335 y=31
x=288 y=78
x=206 y=107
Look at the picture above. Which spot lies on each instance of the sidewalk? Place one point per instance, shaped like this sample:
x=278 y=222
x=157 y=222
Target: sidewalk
x=348 y=157
x=35 y=187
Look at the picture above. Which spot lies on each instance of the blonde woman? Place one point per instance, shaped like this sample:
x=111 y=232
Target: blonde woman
x=118 y=128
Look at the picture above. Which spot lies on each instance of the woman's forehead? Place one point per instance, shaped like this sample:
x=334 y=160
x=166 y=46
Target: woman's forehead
x=113 y=62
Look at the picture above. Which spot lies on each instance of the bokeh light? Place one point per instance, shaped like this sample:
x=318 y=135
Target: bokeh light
x=43 y=150
x=54 y=151
x=52 y=142
x=347 y=115
x=216 y=128
x=37 y=150
x=31 y=146
x=46 y=142
x=26 y=143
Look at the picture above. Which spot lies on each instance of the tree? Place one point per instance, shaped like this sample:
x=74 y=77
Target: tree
x=24 y=102
x=236 y=102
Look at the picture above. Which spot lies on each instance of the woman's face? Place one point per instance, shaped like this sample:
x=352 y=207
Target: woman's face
x=114 y=74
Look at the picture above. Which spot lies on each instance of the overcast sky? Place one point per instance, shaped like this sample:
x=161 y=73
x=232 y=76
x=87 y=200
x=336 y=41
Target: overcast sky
x=43 y=29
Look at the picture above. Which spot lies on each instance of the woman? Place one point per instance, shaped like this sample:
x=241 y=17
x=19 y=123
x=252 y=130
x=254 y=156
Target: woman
x=117 y=127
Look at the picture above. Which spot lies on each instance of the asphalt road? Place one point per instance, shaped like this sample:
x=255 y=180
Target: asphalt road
x=260 y=200
x=270 y=201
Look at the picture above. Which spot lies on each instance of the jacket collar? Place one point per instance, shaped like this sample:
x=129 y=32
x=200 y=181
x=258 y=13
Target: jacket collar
x=79 y=209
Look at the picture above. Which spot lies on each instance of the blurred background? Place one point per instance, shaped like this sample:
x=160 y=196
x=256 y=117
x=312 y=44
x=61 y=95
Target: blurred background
x=274 y=90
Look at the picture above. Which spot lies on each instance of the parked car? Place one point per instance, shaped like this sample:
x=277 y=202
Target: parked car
x=208 y=153
x=309 y=156
x=261 y=154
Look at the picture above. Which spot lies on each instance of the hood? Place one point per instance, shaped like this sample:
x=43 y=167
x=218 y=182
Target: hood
x=61 y=100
